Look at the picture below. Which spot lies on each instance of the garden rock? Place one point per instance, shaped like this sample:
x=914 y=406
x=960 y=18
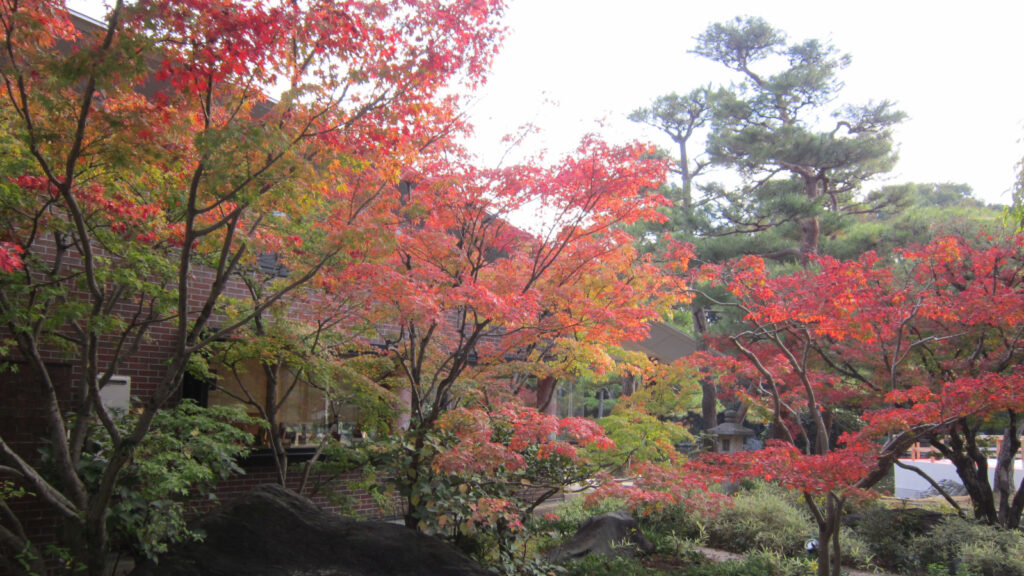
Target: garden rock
x=272 y=531
x=951 y=487
x=614 y=534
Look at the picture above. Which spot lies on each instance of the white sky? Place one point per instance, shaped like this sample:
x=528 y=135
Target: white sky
x=578 y=66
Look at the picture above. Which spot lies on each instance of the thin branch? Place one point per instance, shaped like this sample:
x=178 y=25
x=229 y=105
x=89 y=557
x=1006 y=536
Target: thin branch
x=934 y=484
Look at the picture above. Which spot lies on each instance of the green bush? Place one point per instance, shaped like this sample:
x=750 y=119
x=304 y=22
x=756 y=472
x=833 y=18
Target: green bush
x=674 y=530
x=603 y=566
x=967 y=548
x=553 y=528
x=888 y=533
x=763 y=518
x=856 y=552
x=188 y=450
x=759 y=563
x=993 y=558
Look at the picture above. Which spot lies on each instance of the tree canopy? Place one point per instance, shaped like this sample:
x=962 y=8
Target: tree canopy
x=797 y=160
x=162 y=215
x=146 y=169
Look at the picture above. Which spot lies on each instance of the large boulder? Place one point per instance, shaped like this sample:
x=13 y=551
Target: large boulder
x=613 y=534
x=272 y=531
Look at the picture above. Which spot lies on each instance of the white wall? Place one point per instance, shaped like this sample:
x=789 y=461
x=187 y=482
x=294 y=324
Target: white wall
x=911 y=485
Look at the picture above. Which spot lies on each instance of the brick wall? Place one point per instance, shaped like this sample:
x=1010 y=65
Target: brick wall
x=22 y=409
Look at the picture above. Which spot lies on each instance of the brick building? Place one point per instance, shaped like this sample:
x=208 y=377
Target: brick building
x=45 y=377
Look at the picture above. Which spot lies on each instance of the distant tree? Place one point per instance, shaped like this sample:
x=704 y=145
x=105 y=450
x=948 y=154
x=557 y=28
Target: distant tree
x=798 y=173
x=796 y=166
x=680 y=117
x=1017 y=210
x=914 y=214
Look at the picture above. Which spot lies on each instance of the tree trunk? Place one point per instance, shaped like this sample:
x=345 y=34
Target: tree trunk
x=972 y=468
x=709 y=394
x=547 y=402
x=277 y=447
x=628 y=384
x=407 y=484
x=811 y=231
x=1003 y=484
x=810 y=228
x=708 y=404
x=684 y=174
x=829 y=552
x=96 y=538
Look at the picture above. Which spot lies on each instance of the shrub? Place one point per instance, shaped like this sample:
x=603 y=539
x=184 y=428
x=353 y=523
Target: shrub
x=856 y=552
x=759 y=563
x=763 y=518
x=675 y=531
x=567 y=517
x=603 y=566
x=993 y=558
x=967 y=548
x=888 y=533
x=188 y=450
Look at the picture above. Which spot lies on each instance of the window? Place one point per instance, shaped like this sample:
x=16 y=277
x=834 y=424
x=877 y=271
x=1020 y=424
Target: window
x=304 y=414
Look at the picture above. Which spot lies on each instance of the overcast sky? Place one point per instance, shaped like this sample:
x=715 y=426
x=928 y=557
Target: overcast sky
x=576 y=66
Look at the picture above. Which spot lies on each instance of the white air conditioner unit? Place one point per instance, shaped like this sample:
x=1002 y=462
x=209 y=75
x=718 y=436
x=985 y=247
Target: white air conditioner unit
x=117 y=394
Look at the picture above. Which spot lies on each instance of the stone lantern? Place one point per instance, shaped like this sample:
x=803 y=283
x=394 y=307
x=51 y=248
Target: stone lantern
x=730 y=435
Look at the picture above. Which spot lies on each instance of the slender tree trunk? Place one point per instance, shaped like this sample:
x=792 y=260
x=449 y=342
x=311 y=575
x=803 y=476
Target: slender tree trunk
x=709 y=394
x=408 y=483
x=277 y=447
x=684 y=173
x=810 y=228
x=828 y=521
x=935 y=485
x=547 y=402
x=307 y=470
x=1003 y=484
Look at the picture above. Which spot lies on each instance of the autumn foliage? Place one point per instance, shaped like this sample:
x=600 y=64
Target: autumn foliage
x=151 y=161
x=202 y=180
x=508 y=460
x=851 y=362
x=468 y=304
x=922 y=345
x=153 y=166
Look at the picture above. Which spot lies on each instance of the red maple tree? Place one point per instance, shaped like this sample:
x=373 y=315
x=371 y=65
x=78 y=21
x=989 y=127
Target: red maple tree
x=923 y=346
x=466 y=296
x=146 y=169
